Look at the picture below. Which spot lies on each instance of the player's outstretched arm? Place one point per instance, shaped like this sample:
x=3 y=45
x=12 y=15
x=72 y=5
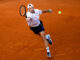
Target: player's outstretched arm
x=47 y=11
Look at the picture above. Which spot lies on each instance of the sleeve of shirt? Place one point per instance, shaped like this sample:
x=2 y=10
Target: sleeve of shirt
x=28 y=15
x=39 y=11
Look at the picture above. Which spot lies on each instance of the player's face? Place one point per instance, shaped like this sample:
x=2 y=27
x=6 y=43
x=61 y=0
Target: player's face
x=31 y=9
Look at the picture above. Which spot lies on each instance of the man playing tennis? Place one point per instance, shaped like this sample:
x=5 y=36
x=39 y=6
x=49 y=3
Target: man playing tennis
x=36 y=25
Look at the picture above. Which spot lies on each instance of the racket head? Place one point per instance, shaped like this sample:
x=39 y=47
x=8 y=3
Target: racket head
x=22 y=10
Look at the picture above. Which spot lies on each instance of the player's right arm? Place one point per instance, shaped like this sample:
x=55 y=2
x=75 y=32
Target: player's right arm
x=28 y=19
x=29 y=16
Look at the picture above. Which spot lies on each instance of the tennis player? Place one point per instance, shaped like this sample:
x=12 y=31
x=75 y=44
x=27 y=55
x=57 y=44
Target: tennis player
x=36 y=25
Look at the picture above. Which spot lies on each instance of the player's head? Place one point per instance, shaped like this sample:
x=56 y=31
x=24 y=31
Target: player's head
x=30 y=7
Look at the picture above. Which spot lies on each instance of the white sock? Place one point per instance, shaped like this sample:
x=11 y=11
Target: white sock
x=47 y=49
x=47 y=36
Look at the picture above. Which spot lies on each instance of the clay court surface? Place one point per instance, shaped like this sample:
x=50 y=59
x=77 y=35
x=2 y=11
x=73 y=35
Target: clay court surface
x=18 y=42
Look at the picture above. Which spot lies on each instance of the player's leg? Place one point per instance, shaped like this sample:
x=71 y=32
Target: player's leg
x=47 y=36
x=42 y=34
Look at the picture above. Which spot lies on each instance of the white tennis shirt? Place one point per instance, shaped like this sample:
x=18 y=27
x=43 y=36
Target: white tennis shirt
x=34 y=18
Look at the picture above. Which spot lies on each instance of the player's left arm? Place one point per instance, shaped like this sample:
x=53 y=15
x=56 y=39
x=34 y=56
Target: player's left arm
x=47 y=11
x=44 y=11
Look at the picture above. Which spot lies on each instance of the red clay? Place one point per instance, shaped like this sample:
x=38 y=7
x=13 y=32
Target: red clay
x=18 y=42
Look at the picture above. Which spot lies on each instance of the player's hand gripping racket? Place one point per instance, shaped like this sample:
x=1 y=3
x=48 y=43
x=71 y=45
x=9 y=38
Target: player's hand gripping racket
x=22 y=10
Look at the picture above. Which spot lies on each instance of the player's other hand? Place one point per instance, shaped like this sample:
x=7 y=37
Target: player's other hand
x=49 y=10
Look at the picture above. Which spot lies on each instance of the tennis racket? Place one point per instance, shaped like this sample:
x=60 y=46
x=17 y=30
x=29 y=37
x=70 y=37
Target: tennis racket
x=22 y=10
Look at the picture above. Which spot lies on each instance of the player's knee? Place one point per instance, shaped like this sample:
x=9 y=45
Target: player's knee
x=42 y=33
